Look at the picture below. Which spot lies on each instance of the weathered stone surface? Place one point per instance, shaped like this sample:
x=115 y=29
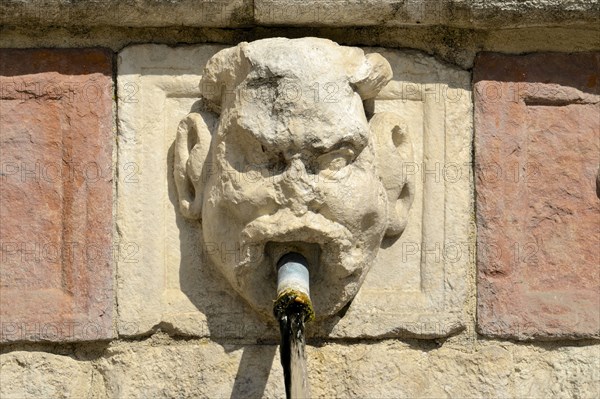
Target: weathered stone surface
x=387 y=369
x=463 y=13
x=537 y=157
x=56 y=134
x=456 y=46
x=417 y=284
x=329 y=180
x=43 y=375
x=236 y=13
x=163 y=367
x=134 y=13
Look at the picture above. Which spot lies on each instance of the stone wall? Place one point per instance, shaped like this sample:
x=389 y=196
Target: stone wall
x=492 y=291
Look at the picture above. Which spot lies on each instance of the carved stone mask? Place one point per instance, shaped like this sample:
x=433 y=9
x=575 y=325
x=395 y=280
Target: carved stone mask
x=283 y=158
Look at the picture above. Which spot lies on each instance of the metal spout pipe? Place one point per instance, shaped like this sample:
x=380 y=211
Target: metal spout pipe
x=292 y=273
x=293 y=288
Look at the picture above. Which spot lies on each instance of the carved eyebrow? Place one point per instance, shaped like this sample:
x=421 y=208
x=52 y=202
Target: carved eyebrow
x=342 y=144
x=247 y=135
x=356 y=142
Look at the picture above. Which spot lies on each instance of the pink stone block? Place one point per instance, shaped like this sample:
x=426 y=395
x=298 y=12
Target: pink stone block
x=537 y=154
x=56 y=133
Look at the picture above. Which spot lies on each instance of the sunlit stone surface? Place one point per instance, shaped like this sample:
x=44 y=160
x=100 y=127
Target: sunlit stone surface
x=416 y=285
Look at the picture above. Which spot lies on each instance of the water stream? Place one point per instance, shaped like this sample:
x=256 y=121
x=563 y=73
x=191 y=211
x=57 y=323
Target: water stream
x=293 y=308
x=293 y=359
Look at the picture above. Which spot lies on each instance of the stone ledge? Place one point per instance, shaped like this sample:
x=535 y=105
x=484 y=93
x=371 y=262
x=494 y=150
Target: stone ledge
x=128 y=13
x=492 y=14
x=483 y=14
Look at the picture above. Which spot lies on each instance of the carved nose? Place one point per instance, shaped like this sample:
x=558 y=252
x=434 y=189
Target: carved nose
x=298 y=176
x=298 y=186
x=297 y=167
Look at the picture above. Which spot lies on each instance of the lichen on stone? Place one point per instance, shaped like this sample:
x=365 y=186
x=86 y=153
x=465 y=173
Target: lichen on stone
x=292 y=301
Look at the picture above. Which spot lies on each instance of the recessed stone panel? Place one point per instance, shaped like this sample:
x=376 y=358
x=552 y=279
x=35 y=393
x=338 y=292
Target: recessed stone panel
x=537 y=120
x=56 y=118
x=417 y=286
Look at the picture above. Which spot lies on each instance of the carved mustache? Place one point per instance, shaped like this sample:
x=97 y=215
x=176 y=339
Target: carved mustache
x=310 y=227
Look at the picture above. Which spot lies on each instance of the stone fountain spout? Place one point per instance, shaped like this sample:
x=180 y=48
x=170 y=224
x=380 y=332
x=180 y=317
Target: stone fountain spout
x=267 y=160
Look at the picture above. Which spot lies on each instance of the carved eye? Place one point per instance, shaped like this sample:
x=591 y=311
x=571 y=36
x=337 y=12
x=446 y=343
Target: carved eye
x=336 y=160
x=259 y=159
x=255 y=156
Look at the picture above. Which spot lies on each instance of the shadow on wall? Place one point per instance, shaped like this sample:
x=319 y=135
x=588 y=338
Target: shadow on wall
x=253 y=371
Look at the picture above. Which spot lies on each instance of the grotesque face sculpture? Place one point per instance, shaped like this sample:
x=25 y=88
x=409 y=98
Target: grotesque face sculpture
x=284 y=159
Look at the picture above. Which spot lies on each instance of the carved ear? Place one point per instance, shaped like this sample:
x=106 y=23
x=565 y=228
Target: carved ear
x=371 y=76
x=393 y=150
x=191 y=150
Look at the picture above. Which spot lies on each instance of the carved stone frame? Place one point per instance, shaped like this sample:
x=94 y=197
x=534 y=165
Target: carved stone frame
x=405 y=294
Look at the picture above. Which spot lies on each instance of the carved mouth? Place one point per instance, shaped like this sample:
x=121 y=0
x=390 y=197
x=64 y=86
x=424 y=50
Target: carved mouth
x=336 y=259
x=309 y=227
x=323 y=242
x=274 y=250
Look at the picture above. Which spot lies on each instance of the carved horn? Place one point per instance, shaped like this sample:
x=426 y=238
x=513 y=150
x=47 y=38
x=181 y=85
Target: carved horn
x=222 y=73
x=371 y=76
